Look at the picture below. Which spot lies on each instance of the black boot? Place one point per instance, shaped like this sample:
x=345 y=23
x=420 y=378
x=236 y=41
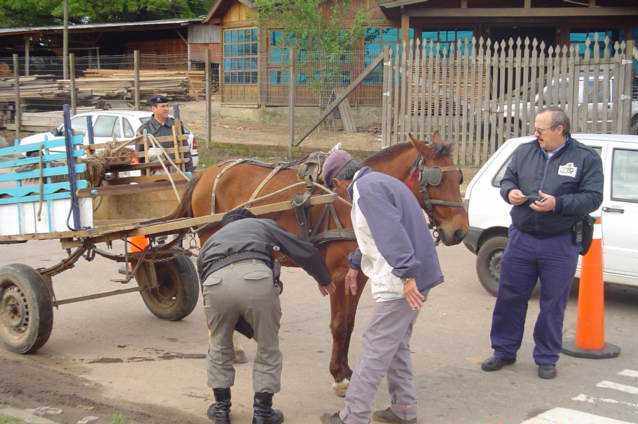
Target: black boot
x=219 y=412
x=263 y=412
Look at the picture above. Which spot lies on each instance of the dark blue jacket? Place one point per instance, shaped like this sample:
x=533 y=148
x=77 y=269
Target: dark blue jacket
x=574 y=175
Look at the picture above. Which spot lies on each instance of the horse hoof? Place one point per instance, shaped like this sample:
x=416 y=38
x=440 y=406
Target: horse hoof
x=340 y=387
x=240 y=357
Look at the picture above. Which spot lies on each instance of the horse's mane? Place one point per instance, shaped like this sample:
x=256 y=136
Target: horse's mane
x=439 y=149
x=387 y=153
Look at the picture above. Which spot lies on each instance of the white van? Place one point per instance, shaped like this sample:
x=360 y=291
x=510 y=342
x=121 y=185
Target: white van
x=489 y=214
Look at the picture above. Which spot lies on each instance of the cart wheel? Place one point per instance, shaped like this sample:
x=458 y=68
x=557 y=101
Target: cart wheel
x=178 y=290
x=26 y=309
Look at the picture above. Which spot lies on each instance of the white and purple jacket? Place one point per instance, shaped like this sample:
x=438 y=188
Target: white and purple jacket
x=392 y=234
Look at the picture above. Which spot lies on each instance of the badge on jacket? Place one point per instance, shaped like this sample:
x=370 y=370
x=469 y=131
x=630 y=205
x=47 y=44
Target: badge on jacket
x=568 y=170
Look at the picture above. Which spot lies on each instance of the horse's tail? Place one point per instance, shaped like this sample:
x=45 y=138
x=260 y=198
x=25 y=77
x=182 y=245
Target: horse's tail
x=184 y=209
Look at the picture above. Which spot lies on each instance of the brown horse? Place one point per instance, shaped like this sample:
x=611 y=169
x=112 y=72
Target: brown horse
x=428 y=170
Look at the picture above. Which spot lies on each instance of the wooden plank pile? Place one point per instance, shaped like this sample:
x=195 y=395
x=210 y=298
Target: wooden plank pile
x=171 y=83
x=32 y=87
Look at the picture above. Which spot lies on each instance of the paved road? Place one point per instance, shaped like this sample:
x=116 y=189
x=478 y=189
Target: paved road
x=120 y=348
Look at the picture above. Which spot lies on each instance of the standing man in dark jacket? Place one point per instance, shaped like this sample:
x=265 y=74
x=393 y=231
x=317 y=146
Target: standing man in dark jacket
x=161 y=125
x=235 y=267
x=396 y=252
x=552 y=183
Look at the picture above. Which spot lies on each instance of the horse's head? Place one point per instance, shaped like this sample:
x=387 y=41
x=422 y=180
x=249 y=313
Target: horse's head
x=436 y=182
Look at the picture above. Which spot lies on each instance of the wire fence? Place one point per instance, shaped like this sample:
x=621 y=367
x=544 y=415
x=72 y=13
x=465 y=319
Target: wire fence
x=238 y=82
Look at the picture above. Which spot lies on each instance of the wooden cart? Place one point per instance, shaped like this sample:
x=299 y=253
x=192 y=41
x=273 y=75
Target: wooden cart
x=50 y=209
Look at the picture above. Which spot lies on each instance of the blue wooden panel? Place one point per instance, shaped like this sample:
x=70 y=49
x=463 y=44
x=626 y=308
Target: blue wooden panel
x=36 y=159
x=48 y=172
x=49 y=144
x=50 y=188
x=36 y=198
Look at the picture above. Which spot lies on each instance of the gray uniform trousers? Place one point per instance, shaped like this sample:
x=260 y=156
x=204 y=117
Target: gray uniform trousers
x=386 y=352
x=243 y=288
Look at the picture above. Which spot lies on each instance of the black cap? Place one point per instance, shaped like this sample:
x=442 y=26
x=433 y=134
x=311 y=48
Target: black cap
x=157 y=99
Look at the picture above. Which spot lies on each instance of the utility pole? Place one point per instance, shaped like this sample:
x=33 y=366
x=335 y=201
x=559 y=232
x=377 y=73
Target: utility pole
x=65 y=42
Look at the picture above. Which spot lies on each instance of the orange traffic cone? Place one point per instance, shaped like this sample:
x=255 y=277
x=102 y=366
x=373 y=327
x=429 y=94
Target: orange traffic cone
x=590 y=322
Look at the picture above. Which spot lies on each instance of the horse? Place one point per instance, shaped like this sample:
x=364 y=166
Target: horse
x=428 y=170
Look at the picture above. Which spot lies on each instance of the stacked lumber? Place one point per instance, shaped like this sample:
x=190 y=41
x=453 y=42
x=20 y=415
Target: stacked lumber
x=32 y=87
x=155 y=81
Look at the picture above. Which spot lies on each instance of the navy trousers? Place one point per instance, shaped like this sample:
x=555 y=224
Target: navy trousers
x=527 y=259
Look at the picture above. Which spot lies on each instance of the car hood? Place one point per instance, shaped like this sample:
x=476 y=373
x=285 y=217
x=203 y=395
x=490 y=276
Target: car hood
x=37 y=138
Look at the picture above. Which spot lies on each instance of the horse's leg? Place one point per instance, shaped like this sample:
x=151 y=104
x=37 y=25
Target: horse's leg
x=343 y=309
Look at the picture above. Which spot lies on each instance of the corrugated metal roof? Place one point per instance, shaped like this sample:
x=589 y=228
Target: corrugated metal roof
x=89 y=27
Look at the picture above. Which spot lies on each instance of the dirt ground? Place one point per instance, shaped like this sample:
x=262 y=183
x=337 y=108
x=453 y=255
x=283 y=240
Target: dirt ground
x=29 y=384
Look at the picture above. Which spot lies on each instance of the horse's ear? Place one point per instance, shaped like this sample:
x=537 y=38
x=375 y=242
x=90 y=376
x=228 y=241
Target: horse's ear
x=414 y=141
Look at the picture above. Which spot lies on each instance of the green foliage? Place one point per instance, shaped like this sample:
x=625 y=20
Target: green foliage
x=15 y=13
x=329 y=28
x=10 y=420
x=118 y=418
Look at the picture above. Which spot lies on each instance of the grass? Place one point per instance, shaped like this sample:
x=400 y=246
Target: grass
x=117 y=418
x=220 y=151
x=10 y=420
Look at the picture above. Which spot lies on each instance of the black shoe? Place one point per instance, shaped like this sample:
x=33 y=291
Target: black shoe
x=219 y=412
x=547 y=371
x=263 y=412
x=331 y=419
x=494 y=363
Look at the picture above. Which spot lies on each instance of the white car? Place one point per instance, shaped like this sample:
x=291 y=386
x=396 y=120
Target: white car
x=489 y=214
x=121 y=125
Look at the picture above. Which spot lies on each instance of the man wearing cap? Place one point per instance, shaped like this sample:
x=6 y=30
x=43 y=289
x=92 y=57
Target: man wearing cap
x=161 y=125
x=240 y=293
x=397 y=254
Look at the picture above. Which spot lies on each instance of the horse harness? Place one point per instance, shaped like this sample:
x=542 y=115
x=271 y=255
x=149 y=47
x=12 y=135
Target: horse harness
x=308 y=170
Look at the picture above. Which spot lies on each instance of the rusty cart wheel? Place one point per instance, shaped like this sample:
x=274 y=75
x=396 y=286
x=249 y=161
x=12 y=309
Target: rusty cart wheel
x=26 y=309
x=177 y=289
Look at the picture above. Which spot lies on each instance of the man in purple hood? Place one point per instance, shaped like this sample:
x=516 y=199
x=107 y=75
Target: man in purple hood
x=397 y=254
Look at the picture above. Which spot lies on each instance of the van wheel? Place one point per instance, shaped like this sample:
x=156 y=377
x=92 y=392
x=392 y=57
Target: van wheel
x=488 y=262
x=634 y=125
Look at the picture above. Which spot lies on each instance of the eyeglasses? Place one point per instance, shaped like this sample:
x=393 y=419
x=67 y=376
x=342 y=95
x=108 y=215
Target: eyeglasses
x=542 y=130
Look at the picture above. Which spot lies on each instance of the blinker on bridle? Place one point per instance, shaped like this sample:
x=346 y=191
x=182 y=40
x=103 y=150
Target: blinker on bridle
x=433 y=176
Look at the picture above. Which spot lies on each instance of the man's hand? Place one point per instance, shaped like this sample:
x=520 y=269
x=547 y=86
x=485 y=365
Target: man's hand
x=326 y=290
x=546 y=204
x=516 y=197
x=351 y=281
x=412 y=294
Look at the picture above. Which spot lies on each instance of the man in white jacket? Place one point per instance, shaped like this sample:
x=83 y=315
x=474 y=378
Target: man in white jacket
x=396 y=252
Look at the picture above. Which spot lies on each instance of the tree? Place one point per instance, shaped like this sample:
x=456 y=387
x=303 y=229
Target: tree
x=49 y=12
x=327 y=29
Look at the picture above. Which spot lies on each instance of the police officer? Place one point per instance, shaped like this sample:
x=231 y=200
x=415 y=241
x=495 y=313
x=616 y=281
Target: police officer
x=552 y=183
x=161 y=125
x=235 y=267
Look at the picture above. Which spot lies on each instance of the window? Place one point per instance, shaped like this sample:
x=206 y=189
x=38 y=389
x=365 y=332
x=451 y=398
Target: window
x=78 y=124
x=240 y=56
x=445 y=38
x=128 y=129
x=279 y=59
x=624 y=176
x=375 y=40
x=107 y=126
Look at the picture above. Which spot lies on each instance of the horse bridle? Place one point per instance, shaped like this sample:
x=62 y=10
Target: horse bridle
x=433 y=176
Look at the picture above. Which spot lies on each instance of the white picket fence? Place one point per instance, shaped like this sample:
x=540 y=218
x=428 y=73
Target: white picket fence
x=478 y=94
